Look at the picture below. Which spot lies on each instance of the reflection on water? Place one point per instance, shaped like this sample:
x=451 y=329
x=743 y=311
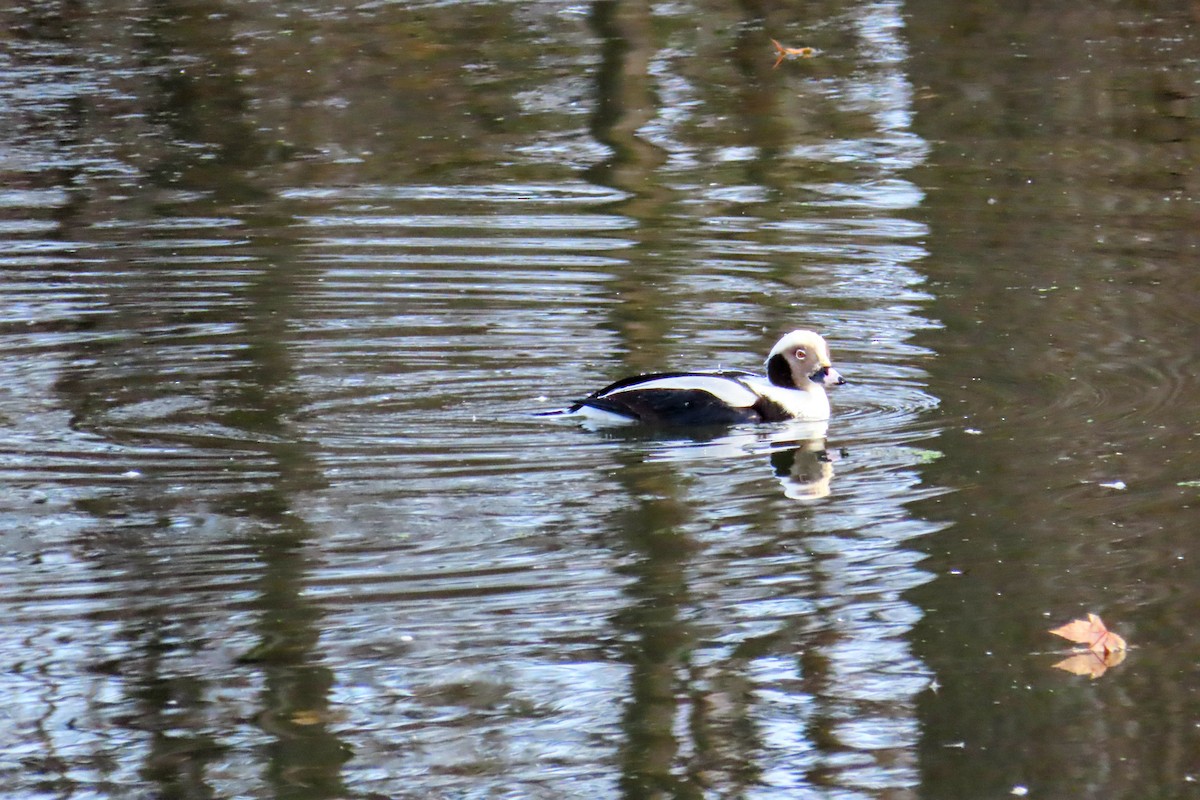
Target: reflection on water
x=796 y=452
x=282 y=289
x=1063 y=269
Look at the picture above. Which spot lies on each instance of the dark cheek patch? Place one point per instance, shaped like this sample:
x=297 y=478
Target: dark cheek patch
x=779 y=372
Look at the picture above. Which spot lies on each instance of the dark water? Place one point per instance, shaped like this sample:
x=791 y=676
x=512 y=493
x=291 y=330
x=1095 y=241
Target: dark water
x=283 y=286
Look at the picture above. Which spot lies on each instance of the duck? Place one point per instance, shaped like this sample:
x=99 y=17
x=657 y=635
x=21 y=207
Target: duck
x=798 y=369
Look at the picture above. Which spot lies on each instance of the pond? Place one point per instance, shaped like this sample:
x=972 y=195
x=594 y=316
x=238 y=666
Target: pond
x=285 y=289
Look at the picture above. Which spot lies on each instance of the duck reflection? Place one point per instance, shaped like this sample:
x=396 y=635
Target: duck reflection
x=797 y=452
x=805 y=471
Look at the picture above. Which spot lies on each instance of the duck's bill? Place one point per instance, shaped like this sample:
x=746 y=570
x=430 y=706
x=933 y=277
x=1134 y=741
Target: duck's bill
x=827 y=376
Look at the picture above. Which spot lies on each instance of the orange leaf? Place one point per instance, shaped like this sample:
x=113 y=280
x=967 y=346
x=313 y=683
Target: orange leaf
x=1091 y=663
x=1092 y=632
x=782 y=52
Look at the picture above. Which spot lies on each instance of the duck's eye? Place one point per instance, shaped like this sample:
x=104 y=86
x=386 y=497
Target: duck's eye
x=800 y=354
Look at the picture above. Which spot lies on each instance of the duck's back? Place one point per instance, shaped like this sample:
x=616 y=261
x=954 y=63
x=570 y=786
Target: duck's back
x=677 y=398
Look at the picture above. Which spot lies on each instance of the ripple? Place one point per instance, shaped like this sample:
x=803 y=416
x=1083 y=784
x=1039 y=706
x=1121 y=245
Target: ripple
x=1140 y=388
x=499 y=193
x=330 y=431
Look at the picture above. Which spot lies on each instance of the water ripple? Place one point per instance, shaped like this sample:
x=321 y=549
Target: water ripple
x=344 y=411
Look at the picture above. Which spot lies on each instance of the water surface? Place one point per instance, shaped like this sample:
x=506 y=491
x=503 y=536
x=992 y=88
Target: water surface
x=284 y=289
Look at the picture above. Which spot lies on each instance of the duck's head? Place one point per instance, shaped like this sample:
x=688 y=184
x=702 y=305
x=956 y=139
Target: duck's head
x=800 y=360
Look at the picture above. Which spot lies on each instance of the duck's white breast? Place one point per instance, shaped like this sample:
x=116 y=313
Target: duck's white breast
x=804 y=405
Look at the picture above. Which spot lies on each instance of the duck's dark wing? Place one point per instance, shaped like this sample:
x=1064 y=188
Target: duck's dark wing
x=679 y=398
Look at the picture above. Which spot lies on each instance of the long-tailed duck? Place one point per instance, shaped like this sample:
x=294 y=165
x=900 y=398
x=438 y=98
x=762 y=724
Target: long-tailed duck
x=798 y=370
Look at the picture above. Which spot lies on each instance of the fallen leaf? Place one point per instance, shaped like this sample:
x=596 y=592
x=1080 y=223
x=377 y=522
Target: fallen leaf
x=1091 y=663
x=782 y=52
x=1092 y=632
